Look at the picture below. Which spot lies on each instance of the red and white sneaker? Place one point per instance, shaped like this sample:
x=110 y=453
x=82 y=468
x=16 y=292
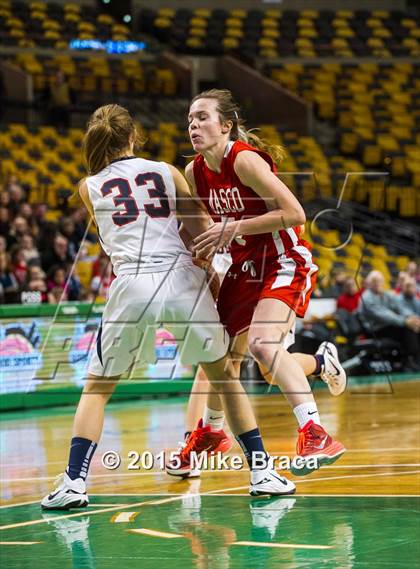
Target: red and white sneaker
x=314 y=449
x=202 y=439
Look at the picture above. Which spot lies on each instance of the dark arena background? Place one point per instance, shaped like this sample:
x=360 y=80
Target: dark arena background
x=337 y=84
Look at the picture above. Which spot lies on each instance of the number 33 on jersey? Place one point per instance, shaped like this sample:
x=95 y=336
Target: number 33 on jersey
x=134 y=204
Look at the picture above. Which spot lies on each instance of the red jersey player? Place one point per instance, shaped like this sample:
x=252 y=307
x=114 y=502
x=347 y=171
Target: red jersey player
x=272 y=274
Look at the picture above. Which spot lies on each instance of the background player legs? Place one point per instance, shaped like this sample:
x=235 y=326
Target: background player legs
x=203 y=395
x=236 y=404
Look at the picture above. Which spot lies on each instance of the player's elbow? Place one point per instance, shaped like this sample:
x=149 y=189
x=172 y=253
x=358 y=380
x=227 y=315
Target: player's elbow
x=299 y=217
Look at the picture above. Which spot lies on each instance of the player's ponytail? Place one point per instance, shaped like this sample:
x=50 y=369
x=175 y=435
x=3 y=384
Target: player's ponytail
x=229 y=110
x=109 y=133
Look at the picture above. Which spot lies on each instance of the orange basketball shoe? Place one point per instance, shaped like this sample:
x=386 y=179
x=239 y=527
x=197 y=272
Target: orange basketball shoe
x=314 y=448
x=202 y=439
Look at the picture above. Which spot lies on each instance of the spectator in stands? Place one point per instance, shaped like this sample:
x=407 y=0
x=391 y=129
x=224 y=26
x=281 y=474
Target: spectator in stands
x=59 y=255
x=59 y=100
x=73 y=284
x=4 y=221
x=9 y=284
x=18 y=228
x=385 y=317
x=30 y=252
x=18 y=264
x=56 y=285
x=80 y=217
x=68 y=229
x=411 y=272
x=3 y=244
x=36 y=282
x=350 y=298
x=408 y=299
x=334 y=288
x=16 y=195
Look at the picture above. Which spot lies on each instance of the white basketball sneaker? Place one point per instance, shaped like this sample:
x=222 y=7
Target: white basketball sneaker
x=268 y=482
x=67 y=494
x=266 y=513
x=332 y=371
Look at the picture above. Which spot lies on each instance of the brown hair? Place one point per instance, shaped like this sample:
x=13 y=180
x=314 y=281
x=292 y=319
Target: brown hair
x=108 y=134
x=229 y=110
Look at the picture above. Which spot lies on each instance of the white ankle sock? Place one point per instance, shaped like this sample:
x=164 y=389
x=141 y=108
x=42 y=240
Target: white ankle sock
x=306 y=412
x=213 y=418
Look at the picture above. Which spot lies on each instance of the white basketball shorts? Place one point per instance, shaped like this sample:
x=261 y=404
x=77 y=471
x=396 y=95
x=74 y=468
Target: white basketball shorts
x=138 y=304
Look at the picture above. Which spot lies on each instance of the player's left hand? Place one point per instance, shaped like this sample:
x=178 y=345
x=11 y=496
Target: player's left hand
x=219 y=235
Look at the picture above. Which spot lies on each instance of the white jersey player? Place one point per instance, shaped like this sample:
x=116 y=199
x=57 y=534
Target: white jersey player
x=133 y=202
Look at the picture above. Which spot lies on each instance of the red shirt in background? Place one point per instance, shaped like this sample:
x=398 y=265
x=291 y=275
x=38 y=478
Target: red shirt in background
x=349 y=302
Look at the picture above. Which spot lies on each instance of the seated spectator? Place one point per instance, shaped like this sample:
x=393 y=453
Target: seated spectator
x=59 y=255
x=57 y=285
x=18 y=264
x=350 y=298
x=68 y=230
x=4 y=220
x=408 y=299
x=334 y=288
x=36 y=282
x=411 y=272
x=384 y=316
x=16 y=195
x=30 y=252
x=73 y=285
x=18 y=228
x=8 y=281
x=80 y=218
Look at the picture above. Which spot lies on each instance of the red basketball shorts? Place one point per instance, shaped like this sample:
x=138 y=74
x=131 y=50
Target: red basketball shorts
x=289 y=278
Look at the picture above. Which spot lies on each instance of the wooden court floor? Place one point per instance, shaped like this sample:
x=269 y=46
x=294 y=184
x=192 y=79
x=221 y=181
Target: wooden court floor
x=362 y=511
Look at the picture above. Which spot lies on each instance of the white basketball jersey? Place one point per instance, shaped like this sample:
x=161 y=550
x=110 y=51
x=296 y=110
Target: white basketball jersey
x=134 y=203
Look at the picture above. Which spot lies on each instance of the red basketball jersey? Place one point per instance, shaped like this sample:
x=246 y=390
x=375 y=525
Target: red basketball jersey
x=225 y=196
x=269 y=265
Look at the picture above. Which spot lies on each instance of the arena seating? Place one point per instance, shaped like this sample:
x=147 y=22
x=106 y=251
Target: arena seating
x=274 y=33
x=376 y=112
x=43 y=24
x=96 y=73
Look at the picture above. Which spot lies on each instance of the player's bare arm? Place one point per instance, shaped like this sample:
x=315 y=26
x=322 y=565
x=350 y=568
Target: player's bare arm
x=194 y=219
x=284 y=209
x=84 y=195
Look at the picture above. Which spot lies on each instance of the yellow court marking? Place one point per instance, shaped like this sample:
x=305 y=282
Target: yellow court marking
x=155 y=533
x=124 y=517
x=282 y=545
x=19 y=542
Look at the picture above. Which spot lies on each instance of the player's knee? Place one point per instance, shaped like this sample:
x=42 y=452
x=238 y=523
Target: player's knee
x=265 y=353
